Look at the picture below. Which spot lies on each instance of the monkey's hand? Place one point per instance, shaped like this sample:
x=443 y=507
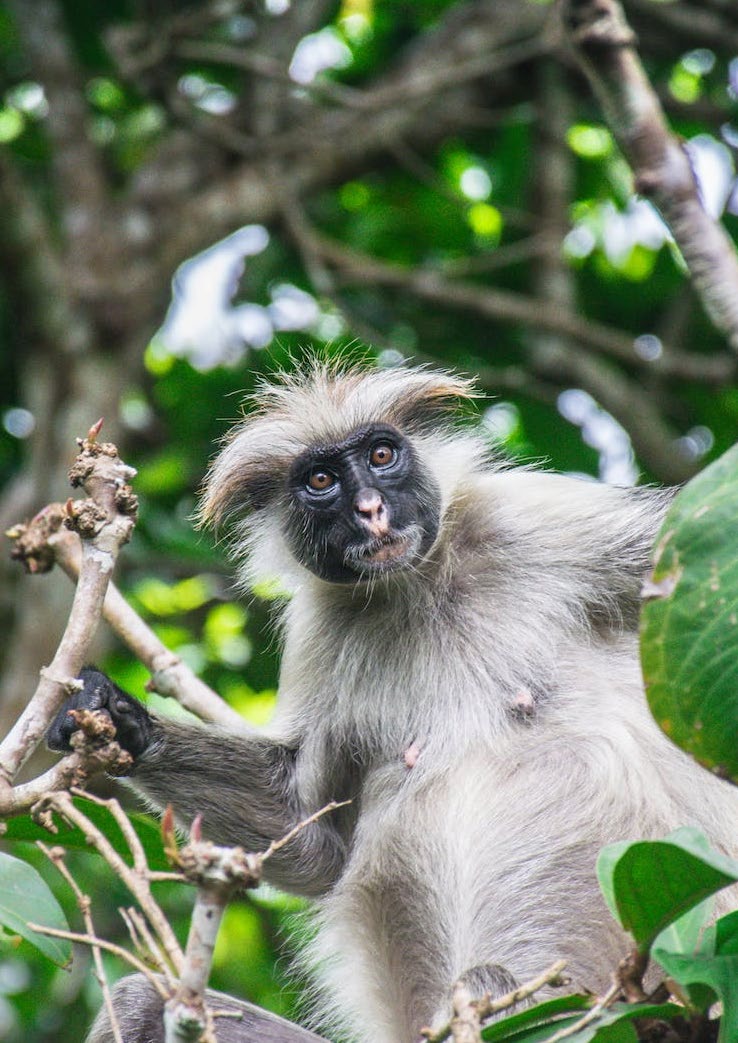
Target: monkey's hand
x=133 y=723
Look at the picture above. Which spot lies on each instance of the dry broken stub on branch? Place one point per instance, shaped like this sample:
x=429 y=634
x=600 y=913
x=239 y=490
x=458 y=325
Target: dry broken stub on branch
x=31 y=545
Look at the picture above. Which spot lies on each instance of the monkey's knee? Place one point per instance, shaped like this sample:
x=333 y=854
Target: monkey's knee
x=139 y=1012
x=488 y=979
x=485 y=979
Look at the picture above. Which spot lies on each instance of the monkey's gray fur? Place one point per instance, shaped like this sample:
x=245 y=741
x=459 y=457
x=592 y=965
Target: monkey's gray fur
x=483 y=707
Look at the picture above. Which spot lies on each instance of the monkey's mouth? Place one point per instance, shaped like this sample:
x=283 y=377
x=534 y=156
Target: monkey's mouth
x=389 y=550
x=386 y=552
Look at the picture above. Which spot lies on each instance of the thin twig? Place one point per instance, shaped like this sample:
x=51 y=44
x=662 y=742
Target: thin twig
x=486 y=1006
x=145 y=942
x=593 y=1014
x=267 y=66
x=276 y=845
x=140 y=862
x=137 y=883
x=56 y=856
x=116 y=950
x=552 y=976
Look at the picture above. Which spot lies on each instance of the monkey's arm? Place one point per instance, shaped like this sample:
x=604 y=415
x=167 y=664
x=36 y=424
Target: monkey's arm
x=245 y=786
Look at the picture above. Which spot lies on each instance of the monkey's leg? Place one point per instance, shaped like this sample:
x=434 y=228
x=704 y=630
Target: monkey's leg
x=139 y=1010
x=486 y=979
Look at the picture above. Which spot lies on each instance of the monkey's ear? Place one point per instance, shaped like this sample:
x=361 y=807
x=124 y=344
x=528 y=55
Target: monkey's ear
x=240 y=479
x=424 y=397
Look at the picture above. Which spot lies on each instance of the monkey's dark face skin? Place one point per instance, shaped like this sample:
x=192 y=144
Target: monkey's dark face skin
x=362 y=507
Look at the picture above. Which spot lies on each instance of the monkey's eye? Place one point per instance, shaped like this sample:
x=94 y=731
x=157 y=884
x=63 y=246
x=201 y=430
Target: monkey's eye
x=320 y=481
x=382 y=455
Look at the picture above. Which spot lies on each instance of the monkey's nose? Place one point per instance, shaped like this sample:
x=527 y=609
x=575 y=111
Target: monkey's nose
x=371 y=508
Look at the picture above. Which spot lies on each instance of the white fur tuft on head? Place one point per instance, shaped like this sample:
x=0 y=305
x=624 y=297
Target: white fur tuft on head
x=319 y=404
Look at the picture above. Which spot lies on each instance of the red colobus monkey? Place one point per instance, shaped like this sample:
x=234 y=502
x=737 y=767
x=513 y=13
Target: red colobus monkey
x=460 y=660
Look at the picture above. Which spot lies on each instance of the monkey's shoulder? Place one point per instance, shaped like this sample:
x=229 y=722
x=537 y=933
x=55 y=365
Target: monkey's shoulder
x=553 y=514
x=527 y=490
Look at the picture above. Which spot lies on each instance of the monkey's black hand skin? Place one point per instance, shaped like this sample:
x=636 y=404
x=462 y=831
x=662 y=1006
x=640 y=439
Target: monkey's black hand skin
x=133 y=723
x=460 y=659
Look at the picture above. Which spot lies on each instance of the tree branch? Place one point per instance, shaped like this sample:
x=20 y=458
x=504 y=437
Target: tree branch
x=218 y=872
x=104 y=521
x=170 y=675
x=79 y=174
x=487 y=1006
x=418 y=99
x=506 y=306
x=605 y=45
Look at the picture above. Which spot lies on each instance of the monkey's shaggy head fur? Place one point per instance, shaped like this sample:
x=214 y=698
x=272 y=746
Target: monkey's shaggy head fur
x=317 y=405
x=321 y=404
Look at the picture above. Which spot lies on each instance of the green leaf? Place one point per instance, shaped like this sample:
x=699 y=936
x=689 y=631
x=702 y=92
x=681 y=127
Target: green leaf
x=710 y=973
x=689 y=626
x=24 y=898
x=649 y=884
x=614 y=1024
x=611 y=1026
x=686 y=933
x=23 y=828
x=542 y=1014
x=533 y=1034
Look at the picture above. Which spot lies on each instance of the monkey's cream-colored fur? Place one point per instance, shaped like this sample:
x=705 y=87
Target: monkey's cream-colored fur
x=484 y=708
x=484 y=851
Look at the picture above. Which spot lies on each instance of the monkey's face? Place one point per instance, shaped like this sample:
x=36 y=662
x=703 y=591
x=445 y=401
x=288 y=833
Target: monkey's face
x=362 y=506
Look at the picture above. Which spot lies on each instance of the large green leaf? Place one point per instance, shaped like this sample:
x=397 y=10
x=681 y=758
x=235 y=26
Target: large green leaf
x=710 y=972
x=23 y=828
x=24 y=898
x=689 y=627
x=649 y=884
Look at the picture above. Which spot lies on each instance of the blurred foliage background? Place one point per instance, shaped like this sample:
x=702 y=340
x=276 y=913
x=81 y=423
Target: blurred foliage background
x=431 y=178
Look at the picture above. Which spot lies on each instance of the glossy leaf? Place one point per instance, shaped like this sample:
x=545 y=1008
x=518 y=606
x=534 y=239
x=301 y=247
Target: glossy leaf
x=649 y=884
x=23 y=828
x=544 y=1013
x=25 y=897
x=689 y=628
x=613 y=1025
x=709 y=973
